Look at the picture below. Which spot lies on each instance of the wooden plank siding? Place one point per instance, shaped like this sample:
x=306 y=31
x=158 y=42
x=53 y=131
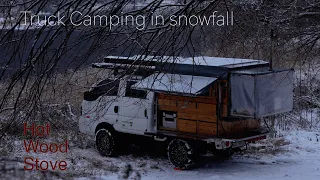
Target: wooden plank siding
x=199 y=117
x=201 y=99
x=194 y=114
x=237 y=127
x=188 y=126
x=224 y=110
x=224 y=98
x=199 y=127
x=167 y=105
x=199 y=114
x=207 y=128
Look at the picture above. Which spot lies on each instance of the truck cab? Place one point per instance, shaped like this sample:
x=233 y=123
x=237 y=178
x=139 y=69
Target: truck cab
x=113 y=101
x=193 y=107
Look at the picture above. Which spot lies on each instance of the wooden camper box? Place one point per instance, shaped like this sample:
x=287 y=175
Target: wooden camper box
x=201 y=114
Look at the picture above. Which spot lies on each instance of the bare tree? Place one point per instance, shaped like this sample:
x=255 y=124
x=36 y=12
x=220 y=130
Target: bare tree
x=33 y=55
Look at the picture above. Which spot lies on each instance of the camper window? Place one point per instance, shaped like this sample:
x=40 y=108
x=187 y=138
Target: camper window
x=134 y=92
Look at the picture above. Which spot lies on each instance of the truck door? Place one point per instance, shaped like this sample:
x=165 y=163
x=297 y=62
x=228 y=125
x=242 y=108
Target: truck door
x=136 y=109
x=100 y=104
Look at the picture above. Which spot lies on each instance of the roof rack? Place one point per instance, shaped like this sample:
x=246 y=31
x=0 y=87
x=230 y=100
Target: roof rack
x=200 y=65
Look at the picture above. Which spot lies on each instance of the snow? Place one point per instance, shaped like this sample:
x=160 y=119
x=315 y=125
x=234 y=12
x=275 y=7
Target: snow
x=296 y=155
x=112 y=66
x=185 y=84
x=198 y=60
x=299 y=159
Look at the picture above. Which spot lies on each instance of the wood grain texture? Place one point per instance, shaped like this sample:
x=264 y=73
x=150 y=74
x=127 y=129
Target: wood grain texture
x=199 y=114
x=207 y=128
x=238 y=127
x=224 y=110
x=199 y=117
x=201 y=99
x=186 y=126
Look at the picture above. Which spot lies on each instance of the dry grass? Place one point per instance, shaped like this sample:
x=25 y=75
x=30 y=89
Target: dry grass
x=59 y=102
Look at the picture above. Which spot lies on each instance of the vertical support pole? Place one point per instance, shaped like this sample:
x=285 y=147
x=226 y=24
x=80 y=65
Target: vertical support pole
x=218 y=107
x=272 y=36
x=271 y=49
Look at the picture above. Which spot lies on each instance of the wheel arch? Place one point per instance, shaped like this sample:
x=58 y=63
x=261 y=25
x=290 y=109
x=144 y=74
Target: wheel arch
x=104 y=125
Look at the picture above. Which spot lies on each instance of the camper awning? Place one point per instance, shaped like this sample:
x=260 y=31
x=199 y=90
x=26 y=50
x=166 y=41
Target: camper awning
x=174 y=83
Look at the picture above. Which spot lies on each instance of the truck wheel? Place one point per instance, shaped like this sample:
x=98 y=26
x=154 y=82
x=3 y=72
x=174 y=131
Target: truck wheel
x=180 y=154
x=105 y=142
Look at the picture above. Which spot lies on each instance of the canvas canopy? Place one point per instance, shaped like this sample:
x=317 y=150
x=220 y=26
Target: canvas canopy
x=261 y=94
x=175 y=83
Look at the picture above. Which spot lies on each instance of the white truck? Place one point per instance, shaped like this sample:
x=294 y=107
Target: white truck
x=192 y=104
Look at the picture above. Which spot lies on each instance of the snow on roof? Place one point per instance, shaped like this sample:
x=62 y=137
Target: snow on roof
x=184 y=84
x=112 y=65
x=199 y=60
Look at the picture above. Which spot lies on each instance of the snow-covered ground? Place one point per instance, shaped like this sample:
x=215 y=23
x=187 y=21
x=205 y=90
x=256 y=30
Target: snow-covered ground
x=296 y=155
x=299 y=159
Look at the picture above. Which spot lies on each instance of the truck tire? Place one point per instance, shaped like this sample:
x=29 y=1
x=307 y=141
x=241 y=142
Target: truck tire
x=105 y=142
x=181 y=154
